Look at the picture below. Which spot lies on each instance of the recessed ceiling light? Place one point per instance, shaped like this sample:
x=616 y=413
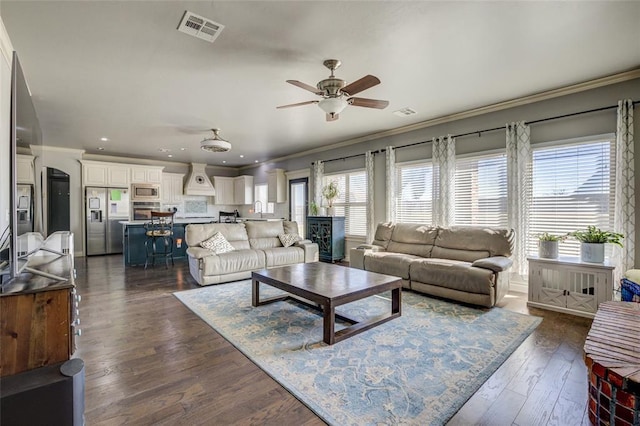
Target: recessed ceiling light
x=164 y=149
x=183 y=149
x=404 y=112
x=104 y=139
x=241 y=156
x=224 y=161
x=100 y=148
x=170 y=156
x=255 y=161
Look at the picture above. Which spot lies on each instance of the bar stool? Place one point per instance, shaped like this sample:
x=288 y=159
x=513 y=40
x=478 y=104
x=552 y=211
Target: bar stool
x=159 y=233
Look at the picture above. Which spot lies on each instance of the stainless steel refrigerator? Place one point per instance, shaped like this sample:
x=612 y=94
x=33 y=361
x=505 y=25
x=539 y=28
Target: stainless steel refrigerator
x=105 y=208
x=24 y=208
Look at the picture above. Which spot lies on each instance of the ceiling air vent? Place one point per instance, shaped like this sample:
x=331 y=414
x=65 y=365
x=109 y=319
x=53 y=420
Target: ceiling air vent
x=404 y=112
x=200 y=27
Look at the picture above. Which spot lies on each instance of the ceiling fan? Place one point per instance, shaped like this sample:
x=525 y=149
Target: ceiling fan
x=337 y=94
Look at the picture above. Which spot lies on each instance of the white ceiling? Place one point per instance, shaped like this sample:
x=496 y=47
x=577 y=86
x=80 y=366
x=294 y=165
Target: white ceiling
x=121 y=70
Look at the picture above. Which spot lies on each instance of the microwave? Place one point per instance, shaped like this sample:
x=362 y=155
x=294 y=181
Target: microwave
x=145 y=192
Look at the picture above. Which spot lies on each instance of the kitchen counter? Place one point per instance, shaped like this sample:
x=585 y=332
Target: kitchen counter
x=177 y=221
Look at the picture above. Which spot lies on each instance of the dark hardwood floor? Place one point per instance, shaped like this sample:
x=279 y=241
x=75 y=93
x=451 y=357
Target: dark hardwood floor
x=150 y=360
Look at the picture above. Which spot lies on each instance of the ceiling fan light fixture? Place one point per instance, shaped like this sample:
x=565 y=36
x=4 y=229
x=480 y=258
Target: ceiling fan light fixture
x=333 y=105
x=215 y=144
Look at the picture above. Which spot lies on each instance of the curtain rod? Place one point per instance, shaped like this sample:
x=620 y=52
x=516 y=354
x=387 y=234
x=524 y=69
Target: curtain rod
x=479 y=132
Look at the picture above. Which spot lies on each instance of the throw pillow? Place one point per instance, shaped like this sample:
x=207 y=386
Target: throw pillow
x=217 y=244
x=289 y=239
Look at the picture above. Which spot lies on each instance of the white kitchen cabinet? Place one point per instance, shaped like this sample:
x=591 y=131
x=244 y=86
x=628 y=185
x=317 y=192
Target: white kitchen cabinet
x=569 y=285
x=146 y=174
x=224 y=190
x=243 y=190
x=172 y=188
x=118 y=175
x=25 y=172
x=95 y=174
x=276 y=186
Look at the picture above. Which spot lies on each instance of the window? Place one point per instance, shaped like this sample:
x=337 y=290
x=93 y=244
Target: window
x=414 y=192
x=260 y=193
x=572 y=188
x=352 y=201
x=481 y=190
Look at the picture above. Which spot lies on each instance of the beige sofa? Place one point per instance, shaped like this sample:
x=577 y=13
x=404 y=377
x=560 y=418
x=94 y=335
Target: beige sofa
x=256 y=246
x=468 y=264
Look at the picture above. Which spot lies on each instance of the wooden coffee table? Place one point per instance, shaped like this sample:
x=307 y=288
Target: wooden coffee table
x=329 y=286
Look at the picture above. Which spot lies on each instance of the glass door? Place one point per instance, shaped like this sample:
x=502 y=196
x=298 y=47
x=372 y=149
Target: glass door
x=299 y=203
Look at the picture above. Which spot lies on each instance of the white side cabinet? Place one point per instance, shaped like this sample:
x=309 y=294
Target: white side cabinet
x=243 y=190
x=24 y=169
x=276 y=186
x=569 y=285
x=172 y=188
x=224 y=190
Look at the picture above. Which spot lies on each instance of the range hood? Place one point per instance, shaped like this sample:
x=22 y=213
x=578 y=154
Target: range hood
x=198 y=183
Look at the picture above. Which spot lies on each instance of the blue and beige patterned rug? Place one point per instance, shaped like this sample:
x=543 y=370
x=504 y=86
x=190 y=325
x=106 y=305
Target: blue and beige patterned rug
x=416 y=369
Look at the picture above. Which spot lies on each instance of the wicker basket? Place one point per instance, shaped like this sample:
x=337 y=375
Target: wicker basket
x=630 y=291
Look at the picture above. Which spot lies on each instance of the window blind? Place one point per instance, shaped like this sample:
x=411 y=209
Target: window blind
x=572 y=188
x=481 y=190
x=414 y=183
x=352 y=200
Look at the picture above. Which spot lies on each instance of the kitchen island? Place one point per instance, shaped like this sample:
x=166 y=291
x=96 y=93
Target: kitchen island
x=134 y=251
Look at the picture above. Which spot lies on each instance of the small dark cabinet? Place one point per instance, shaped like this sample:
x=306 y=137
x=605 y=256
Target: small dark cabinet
x=328 y=233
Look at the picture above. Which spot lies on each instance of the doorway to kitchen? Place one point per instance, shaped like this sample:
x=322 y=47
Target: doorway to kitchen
x=299 y=203
x=58 y=208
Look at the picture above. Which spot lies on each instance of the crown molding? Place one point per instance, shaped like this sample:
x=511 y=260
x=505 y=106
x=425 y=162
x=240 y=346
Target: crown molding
x=147 y=161
x=60 y=149
x=5 y=44
x=500 y=106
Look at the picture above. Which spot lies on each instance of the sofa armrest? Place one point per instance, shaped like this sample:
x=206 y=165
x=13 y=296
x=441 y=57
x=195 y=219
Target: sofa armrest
x=311 y=250
x=199 y=252
x=495 y=263
x=356 y=255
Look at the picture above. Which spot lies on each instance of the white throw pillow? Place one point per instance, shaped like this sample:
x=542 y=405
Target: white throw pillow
x=217 y=244
x=289 y=239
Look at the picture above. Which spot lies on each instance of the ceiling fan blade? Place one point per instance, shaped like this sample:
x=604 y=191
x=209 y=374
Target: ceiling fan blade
x=368 y=103
x=359 y=85
x=304 y=86
x=332 y=117
x=298 y=104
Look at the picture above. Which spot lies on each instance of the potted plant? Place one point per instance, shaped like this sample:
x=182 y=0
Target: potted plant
x=548 y=245
x=330 y=192
x=592 y=243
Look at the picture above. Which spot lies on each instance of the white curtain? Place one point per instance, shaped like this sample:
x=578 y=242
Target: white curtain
x=519 y=159
x=444 y=171
x=318 y=172
x=371 y=225
x=390 y=153
x=624 y=211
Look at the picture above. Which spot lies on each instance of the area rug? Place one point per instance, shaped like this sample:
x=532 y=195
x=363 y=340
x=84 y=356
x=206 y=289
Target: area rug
x=419 y=368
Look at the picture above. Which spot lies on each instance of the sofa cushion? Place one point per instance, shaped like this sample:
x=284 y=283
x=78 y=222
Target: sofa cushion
x=454 y=274
x=290 y=227
x=289 y=239
x=412 y=238
x=383 y=234
x=234 y=261
x=484 y=241
x=235 y=233
x=389 y=263
x=280 y=256
x=217 y=244
x=264 y=235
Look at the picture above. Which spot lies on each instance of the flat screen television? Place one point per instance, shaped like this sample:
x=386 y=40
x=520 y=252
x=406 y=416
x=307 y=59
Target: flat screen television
x=25 y=131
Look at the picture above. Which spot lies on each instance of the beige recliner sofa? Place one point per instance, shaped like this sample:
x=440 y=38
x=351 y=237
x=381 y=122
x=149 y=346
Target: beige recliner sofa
x=468 y=264
x=256 y=246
